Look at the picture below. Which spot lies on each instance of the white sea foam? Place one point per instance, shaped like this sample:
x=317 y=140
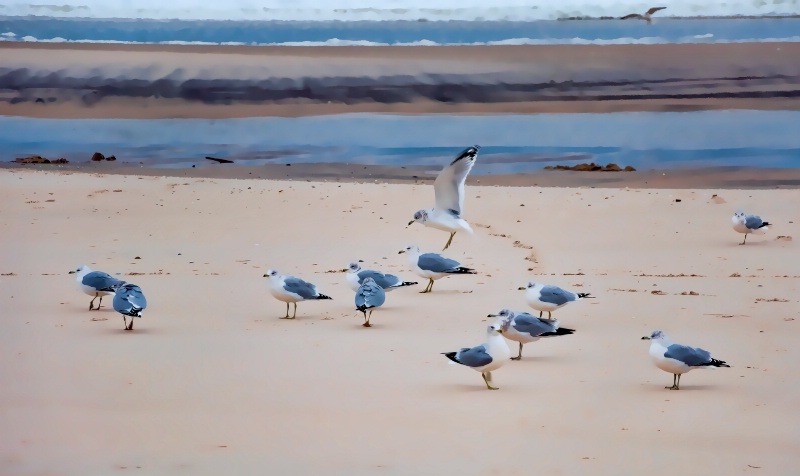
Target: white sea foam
x=353 y=10
x=707 y=38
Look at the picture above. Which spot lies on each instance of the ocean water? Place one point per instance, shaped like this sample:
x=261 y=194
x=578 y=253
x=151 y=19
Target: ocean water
x=394 y=32
x=510 y=143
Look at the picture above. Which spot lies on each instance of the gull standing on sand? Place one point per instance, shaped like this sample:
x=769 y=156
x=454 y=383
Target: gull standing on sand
x=678 y=359
x=432 y=266
x=290 y=289
x=96 y=284
x=748 y=224
x=369 y=296
x=523 y=328
x=491 y=355
x=129 y=301
x=389 y=282
x=548 y=298
x=647 y=16
x=449 y=191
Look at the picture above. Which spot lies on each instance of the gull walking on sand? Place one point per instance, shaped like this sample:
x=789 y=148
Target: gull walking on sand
x=485 y=358
x=369 y=296
x=523 y=328
x=748 y=224
x=432 y=266
x=548 y=298
x=129 y=301
x=678 y=359
x=291 y=290
x=389 y=282
x=96 y=284
x=449 y=191
x=647 y=16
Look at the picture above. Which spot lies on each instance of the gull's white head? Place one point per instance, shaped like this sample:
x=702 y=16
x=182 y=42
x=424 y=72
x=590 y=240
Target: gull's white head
x=504 y=318
x=369 y=282
x=656 y=336
x=411 y=250
x=530 y=285
x=494 y=330
x=81 y=270
x=272 y=274
x=738 y=217
x=420 y=216
x=353 y=267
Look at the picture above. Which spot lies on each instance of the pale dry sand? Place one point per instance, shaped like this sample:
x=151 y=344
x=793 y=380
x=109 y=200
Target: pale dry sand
x=212 y=382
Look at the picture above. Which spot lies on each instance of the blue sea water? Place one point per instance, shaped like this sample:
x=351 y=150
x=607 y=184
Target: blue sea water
x=510 y=143
x=666 y=30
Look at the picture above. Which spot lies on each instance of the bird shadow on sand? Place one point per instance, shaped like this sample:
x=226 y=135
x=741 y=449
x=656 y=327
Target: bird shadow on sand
x=684 y=388
x=134 y=331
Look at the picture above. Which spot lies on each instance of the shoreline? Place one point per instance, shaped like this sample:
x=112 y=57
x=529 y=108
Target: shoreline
x=724 y=178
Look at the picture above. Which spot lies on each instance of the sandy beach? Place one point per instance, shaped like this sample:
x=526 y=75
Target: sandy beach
x=73 y=80
x=211 y=381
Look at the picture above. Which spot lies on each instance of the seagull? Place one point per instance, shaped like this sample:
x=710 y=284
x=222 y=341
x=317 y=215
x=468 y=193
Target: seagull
x=389 y=282
x=748 y=224
x=449 y=190
x=432 y=266
x=96 y=283
x=524 y=328
x=548 y=298
x=369 y=296
x=646 y=16
x=491 y=355
x=678 y=359
x=290 y=289
x=129 y=301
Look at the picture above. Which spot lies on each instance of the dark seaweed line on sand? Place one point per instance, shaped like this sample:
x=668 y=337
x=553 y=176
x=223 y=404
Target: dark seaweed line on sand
x=20 y=85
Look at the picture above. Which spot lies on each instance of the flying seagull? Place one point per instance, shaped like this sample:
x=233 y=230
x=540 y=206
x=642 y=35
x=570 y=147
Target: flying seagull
x=523 y=328
x=96 y=284
x=548 y=298
x=491 y=355
x=678 y=359
x=748 y=224
x=647 y=16
x=290 y=289
x=449 y=191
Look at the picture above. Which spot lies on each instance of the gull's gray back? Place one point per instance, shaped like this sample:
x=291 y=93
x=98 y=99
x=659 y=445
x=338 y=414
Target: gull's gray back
x=302 y=288
x=555 y=295
x=101 y=281
x=474 y=357
x=382 y=280
x=129 y=298
x=370 y=295
x=436 y=263
x=527 y=324
x=688 y=355
x=753 y=221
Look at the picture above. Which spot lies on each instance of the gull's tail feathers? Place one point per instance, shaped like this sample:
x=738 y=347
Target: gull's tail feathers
x=462 y=270
x=561 y=331
x=322 y=296
x=584 y=296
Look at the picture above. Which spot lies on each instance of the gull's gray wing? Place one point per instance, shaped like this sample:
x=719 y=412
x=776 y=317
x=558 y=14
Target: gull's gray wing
x=436 y=263
x=382 y=280
x=302 y=288
x=474 y=357
x=655 y=9
x=753 y=222
x=129 y=299
x=101 y=281
x=527 y=324
x=556 y=295
x=449 y=184
x=369 y=296
x=688 y=355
